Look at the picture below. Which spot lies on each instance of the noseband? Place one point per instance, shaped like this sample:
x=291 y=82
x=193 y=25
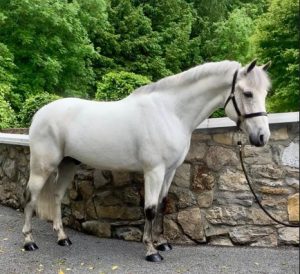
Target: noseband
x=241 y=117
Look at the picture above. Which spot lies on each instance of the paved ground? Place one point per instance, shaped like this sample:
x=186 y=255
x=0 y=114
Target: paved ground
x=90 y=254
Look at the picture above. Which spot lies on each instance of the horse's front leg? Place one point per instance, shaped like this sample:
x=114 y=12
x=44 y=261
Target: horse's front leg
x=160 y=242
x=153 y=184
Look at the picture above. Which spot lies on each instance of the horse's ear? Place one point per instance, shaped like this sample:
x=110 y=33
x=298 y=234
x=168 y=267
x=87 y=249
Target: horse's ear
x=251 y=66
x=266 y=66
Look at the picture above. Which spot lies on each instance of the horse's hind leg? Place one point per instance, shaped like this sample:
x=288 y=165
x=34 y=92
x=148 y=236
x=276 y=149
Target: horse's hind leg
x=37 y=180
x=66 y=171
x=153 y=184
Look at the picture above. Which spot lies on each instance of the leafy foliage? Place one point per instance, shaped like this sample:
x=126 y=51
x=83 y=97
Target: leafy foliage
x=117 y=85
x=32 y=105
x=277 y=39
x=7 y=115
x=69 y=47
x=51 y=49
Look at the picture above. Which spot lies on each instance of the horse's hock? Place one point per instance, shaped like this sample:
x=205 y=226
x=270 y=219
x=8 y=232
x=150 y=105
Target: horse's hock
x=209 y=200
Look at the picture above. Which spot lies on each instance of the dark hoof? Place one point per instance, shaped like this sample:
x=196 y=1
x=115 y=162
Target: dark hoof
x=64 y=242
x=30 y=247
x=154 y=258
x=164 y=247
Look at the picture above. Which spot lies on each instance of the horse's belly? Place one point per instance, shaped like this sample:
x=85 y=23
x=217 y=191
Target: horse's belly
x=105 y=152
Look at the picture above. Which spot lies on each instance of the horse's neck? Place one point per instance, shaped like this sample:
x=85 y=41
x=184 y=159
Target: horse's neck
x=200 y=99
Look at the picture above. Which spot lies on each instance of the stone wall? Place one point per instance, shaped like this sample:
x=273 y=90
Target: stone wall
x=209 y=200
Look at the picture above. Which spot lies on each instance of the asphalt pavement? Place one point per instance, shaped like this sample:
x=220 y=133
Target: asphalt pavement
x=90 y=254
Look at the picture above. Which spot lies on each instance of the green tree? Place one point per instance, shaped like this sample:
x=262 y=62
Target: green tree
x=117 y=85
x=7 y=115
x=50 y=46
x=139 y=48
x=277 y=39
x=178 y=50
x=94 y=16
x=231 y=37
x=32 y=104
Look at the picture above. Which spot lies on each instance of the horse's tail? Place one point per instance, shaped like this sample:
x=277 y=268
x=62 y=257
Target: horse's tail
x=49 y=200
x=45 y=206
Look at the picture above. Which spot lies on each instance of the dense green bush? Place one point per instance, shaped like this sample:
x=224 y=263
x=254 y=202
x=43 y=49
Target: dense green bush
x=7 y=115
x=32 y=105
x=117 y=85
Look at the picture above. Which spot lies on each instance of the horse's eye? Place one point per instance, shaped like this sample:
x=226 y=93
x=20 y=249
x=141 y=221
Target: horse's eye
x=248 y=94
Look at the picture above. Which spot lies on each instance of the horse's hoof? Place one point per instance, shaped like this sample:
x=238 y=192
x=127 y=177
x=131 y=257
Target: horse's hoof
x=64 y=242
x=30 y=246
x=164 y=247
x=154 y=258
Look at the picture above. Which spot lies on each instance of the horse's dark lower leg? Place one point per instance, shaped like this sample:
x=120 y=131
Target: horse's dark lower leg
x=152 y=255
x=160 y=242
x=154 y=179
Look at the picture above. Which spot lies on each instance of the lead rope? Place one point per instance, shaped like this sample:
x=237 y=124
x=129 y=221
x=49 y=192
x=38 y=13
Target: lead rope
x=252 y=190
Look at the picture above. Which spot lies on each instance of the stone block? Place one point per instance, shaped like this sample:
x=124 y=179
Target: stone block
x=217 y=157
x=292 y=182
x=78 y=210
x=289 y=235
x=128 y=233
x=91 y=209
x=203 y=179
x=212 y=231
x=274 y=190
x=293 y=207
x=99 y=179
x=197 y=151
x=257 y=155
x=225 y=138
x=107 y=198
x=190 y=222
x=119 y=212
x=290 y=156
x=260 y=218
x=182 y=176
x=234 y=198
x=173 y=233
x=220 y=241
x=205 y=199
x=279 y=134
x=232 y=181
x=228 y=215
x=97 y=228
x=129 y=195
x=268 y=171
x=121 y=178
x=254 y=236
x=10 y=169
x=170 y=206
x=185 y=198
x=86 y=189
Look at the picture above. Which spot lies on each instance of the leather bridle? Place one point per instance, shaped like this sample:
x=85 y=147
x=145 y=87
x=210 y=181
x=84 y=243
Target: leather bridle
x=241 y=117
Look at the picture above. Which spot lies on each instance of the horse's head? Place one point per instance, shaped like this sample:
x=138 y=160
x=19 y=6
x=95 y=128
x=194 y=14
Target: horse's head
x=246 y=103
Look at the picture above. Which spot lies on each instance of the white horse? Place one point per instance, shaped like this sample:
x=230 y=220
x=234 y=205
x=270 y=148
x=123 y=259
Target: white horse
x=148 y=131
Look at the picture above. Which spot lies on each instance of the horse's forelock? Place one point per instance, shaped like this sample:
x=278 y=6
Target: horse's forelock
x=259 y=78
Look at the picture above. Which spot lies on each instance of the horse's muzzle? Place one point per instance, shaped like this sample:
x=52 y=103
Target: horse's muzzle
x=258 y=140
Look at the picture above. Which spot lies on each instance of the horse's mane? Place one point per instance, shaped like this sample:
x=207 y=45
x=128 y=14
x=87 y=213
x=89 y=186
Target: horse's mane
x=189 y=76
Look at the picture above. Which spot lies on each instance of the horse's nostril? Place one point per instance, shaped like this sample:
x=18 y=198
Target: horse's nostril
x=261 y=138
